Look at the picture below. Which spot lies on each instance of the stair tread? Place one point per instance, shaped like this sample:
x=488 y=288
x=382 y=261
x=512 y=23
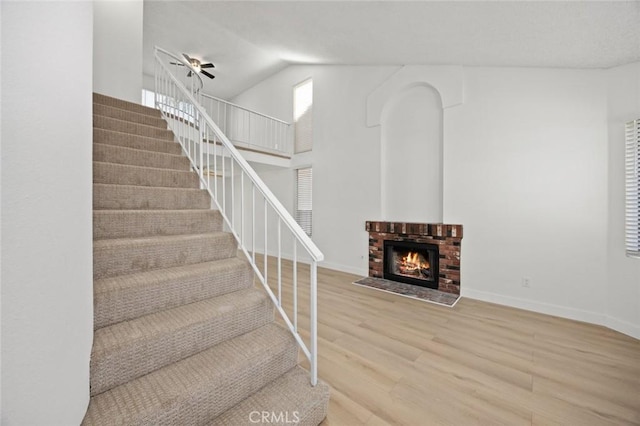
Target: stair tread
x=122 y=334
x=116 y=138
x=158 y=239
x=126 y=297
x=130 y=349
x=122 y=256
x=101 y=99
x=149 y=278
x=104 y=122
x=108 y=224
x=136 y=150
x=145 y=168
x=199 y=388
x=129 y=174
x=107 y=196
x=140 y=125
x=290 y=398
x=128 y=115
x=164 y=188
x=118 y=154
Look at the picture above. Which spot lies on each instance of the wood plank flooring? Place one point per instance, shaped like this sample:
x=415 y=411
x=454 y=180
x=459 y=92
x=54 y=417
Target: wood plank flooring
x=396 y=361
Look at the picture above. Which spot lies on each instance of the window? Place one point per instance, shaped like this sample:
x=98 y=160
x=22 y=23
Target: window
x=304 y=199
x=148 y=98
x=302 y=116
x=632 y=189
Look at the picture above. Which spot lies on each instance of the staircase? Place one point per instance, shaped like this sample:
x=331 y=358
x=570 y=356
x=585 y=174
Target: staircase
x=182 y=336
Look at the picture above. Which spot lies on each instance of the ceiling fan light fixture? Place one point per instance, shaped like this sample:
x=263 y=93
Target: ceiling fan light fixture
x=195 y=63
x=197 y=66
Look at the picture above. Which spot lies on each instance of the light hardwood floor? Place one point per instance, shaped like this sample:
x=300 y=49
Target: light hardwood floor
x=396 y=361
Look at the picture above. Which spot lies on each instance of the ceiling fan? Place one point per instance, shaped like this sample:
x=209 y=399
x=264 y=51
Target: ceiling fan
x=195 y=63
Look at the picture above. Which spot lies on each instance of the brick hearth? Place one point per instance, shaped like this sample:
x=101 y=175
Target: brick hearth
x=447 y=237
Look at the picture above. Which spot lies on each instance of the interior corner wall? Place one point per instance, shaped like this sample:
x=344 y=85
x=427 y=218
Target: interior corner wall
x=623 y=280
x=117 y=49
x=47 y=292
x=525 y=173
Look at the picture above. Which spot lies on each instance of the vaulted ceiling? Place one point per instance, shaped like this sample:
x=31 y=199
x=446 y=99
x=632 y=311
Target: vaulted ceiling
x=250 y=40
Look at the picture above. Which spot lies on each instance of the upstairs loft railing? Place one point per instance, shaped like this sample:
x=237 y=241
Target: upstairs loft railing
x=250 y=129
x=255 y=217
x=244 y=127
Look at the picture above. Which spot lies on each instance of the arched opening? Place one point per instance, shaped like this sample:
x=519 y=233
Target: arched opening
x=411 y=158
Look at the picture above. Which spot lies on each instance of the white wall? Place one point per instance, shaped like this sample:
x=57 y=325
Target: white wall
x=117 y=48
x=623 y=295
x=411 y=156
x=346 y=153
x=47 y=278
x=525 y=173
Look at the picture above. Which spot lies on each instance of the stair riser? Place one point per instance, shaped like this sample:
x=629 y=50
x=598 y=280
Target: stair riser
x=289 y=393
x=121 y=114
x=133 y=157
x=140 y=223
x=127 y=140
x=141 y=357
x=212 y=381
x=141 y=176
x=167 y=289
x=101 y=122
x=121 y=197
x=129 y=106
x=137 y=255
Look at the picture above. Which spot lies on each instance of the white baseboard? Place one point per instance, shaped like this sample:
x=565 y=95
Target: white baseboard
x=560 y=311
x=530 y=305
x=623 y=327
x=344 y=268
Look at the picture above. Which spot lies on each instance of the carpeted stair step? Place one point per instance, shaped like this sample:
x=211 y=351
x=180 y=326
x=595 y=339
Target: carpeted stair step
x=199 y=388
x=124 y=174
x=125 y=115
x=111 y=137
x=138 y=157
x=147 y=223
x=108 y=123
x=289 y=399
x=131 y=255
x=130 y=349
x=126 y=297
x=132 y=197
x=122 y=104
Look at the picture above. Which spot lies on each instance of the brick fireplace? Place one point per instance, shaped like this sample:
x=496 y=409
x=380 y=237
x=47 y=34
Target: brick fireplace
x=447 y=238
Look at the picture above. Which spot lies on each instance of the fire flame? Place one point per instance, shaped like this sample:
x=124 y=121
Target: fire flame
x=413 y=261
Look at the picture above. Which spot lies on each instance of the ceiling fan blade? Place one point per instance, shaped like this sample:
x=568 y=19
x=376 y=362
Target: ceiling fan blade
x=187 y=57
x=207 y=74
x=177 y=63
x=207 y=65
x=189 y=74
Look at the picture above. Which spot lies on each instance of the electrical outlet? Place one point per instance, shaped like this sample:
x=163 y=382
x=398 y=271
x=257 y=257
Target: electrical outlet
x=526 y=282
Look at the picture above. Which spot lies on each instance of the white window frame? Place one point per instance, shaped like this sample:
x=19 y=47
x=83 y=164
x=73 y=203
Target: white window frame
x=632 y=189
x=304 y=217
x=305 y=145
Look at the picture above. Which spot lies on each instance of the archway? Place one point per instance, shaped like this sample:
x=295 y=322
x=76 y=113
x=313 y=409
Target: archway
x=411 y=156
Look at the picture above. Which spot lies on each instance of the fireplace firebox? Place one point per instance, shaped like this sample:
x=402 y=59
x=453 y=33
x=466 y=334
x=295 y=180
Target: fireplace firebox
x=411 y=262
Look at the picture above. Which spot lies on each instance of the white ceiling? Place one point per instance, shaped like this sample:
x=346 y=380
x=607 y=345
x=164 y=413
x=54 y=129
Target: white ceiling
x=250 y=40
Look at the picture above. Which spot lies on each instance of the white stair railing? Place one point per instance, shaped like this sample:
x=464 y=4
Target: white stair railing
x=237 y=192
x=251 y=129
